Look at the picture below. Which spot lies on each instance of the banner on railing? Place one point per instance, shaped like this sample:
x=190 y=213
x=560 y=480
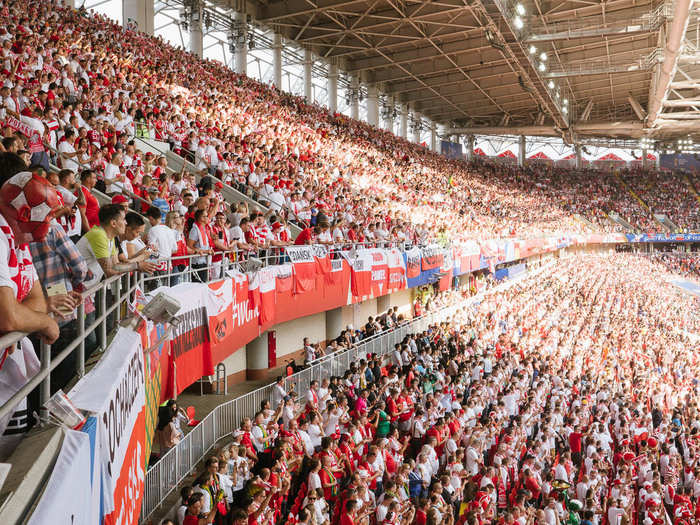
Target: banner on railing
x=190 y=338
x=432 y=257
x=304 y=265
x=114 y=391
x=412 y=257
x=397 y=271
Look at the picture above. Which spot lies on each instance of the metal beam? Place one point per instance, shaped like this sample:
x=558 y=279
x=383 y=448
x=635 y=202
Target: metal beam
x=630 y=128
x=638 y=110
x=602 y=67
x=681 y=103
x=676 y=32
x=600 y=26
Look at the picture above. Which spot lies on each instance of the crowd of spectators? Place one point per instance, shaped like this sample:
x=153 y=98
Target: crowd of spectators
x=582 y=382
x=575 y=383
x=667 y=194
x=90 y=89
x=684 y=264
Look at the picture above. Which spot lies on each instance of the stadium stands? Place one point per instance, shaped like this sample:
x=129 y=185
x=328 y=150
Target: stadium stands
x=576 y=383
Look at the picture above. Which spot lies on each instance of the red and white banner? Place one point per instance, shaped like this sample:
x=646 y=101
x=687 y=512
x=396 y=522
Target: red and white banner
x=17 y=125
x=58 y=503
x=285 y=280
x=190 y=340
x=397 y=271
x=468 y=256
x=264 y=281
x=114 y=390
x=323 y=260
x=413 y=257
x=304 y=263
x=361 y=266
x=380 y=272
x=220 y=318
x=432 y=257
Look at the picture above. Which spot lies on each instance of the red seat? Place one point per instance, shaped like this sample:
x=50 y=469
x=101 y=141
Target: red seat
x=190 y=414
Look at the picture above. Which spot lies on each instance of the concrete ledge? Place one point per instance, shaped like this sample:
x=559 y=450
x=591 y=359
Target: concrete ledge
x=32 y=464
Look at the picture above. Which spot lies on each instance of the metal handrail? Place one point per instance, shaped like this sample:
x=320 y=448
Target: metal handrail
x=48 y=364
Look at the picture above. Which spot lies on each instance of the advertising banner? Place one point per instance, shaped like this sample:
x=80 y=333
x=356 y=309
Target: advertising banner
x=114 y=390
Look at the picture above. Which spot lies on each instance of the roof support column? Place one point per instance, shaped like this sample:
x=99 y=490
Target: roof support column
x=241 y=61
x=196 y=35
x=277 y=60
x=373 y=105
x=579 y=160
x=136 y=14
x=645 y=163
x=355 y=99
x=416 y=127
x=388 y=116
x=333 y=88
x=521 y=151
x=470 y=147
x=308 y=85
x=433 y=136
x=403 y=124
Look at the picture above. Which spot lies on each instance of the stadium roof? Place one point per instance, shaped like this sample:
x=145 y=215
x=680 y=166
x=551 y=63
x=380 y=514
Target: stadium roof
x=626 y=67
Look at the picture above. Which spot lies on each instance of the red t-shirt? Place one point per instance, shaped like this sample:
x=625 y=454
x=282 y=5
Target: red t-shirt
x=190 y=520
x=346 y=520
x=92 y=207
x=421 y=517
x=575 y=441
x=306 y=235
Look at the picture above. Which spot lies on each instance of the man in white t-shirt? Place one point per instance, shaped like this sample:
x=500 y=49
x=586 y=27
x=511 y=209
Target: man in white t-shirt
x=114 y=179
x=67 y=151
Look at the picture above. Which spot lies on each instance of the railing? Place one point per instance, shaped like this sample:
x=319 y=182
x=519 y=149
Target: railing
x=103 y=312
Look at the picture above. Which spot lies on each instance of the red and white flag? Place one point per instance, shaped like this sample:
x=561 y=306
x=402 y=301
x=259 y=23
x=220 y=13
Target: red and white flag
x=304 y=263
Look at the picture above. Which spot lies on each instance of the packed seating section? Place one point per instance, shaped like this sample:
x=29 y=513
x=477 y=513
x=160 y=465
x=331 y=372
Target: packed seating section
x=582 y=377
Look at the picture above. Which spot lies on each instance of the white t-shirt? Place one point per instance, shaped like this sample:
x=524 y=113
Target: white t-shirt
x=111 y=172
x=68 y=164
x=163 y=239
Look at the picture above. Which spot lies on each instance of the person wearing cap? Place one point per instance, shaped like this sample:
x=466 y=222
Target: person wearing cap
x=122 y=201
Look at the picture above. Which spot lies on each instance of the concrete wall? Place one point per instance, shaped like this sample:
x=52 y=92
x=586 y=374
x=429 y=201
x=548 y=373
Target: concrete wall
x=290 y=335
x=236 y=365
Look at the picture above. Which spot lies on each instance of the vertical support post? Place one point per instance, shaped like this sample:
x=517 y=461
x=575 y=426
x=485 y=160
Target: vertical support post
x=403 y=124
x=333 y=88
x=433 y=136
x=579 y=160
x=521 y=151
x=373 y=105
x=241 y=61
x=196 y=34
x=354 y=99
x=416 y=127
x=277 y=60
x=308 y=86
